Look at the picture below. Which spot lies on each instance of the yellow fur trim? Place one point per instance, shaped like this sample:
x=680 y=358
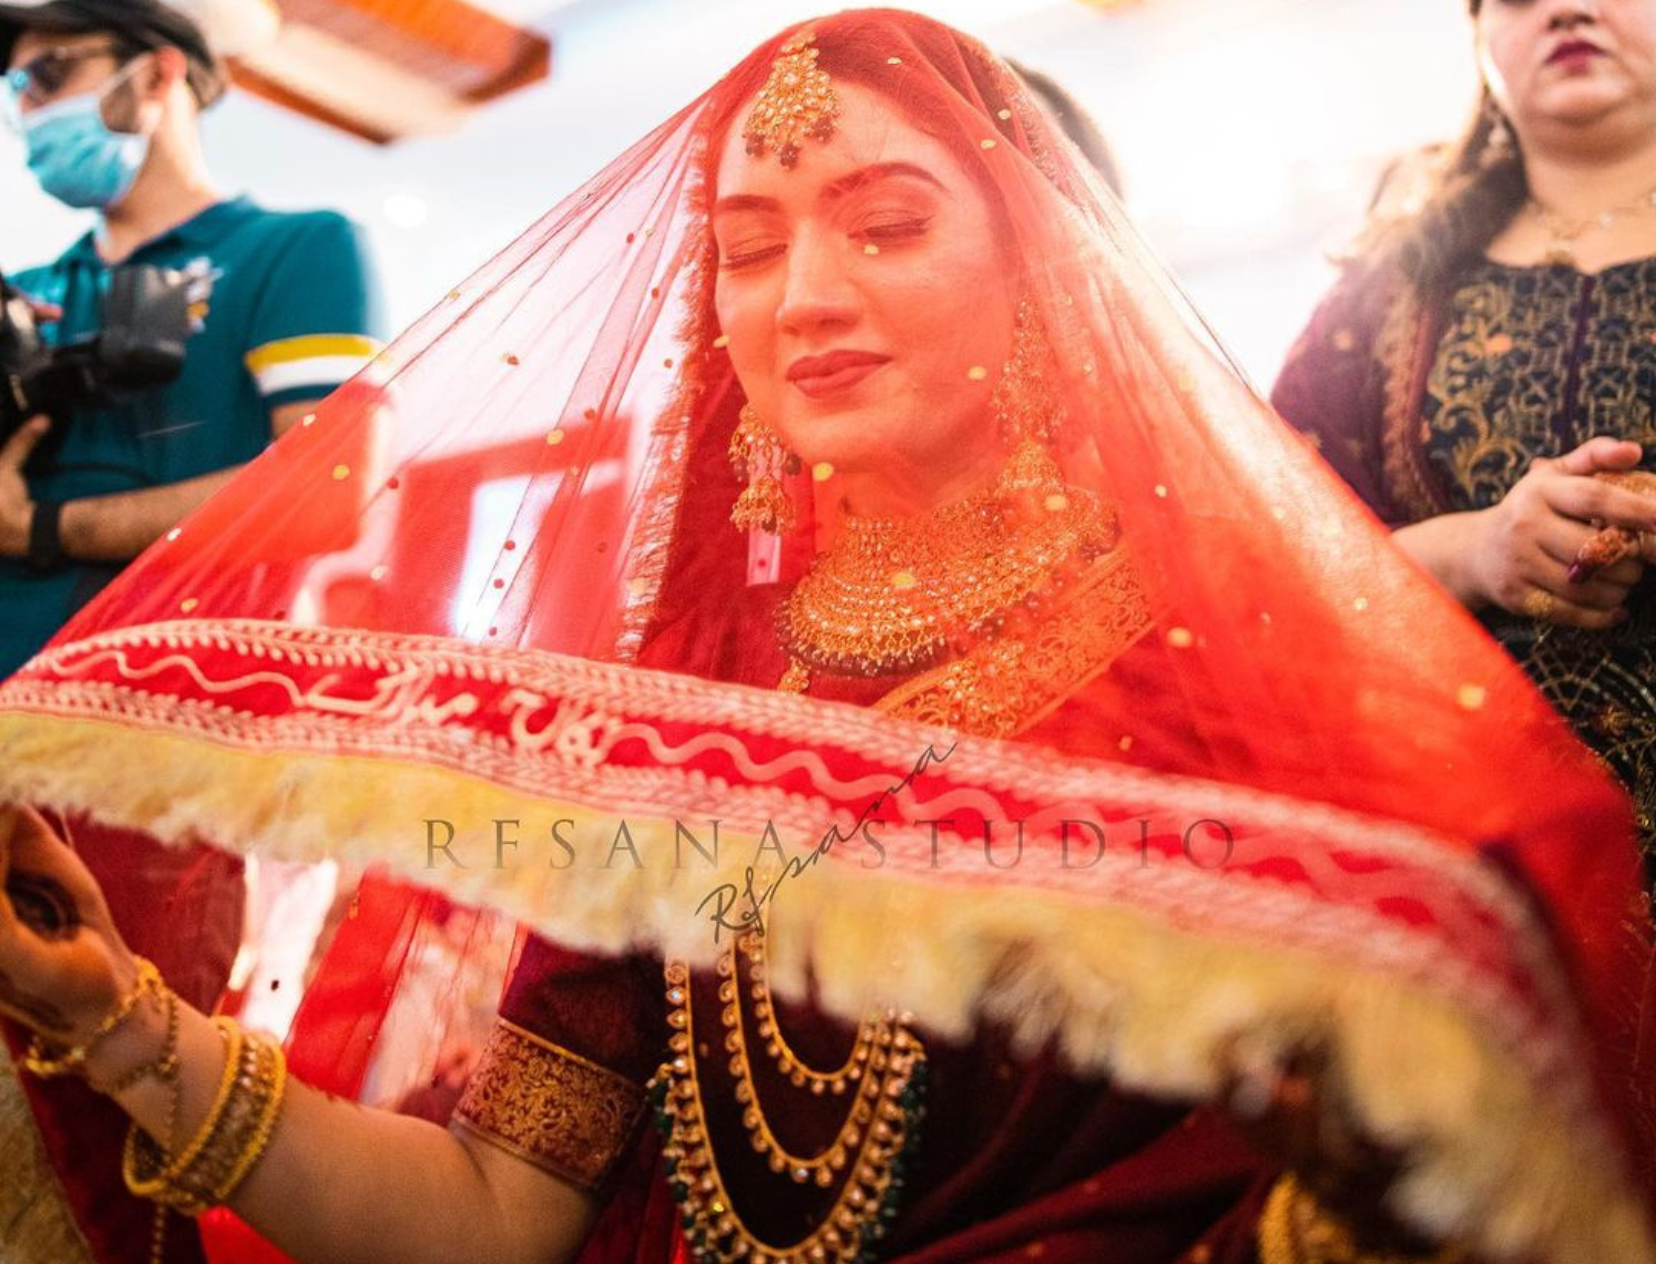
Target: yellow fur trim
x=1506 y=1158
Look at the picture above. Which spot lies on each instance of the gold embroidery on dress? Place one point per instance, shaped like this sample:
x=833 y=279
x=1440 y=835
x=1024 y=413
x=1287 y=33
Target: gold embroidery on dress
x=1008 y=685
x=552 y=1107
x=1398 y=350
x=36 y=1225
x=1534 y=362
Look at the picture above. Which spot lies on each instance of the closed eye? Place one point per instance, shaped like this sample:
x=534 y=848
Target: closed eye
x=896 y=229
x=739 y=257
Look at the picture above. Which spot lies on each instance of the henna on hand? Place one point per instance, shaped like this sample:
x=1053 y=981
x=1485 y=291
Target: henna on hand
x=1612 y=543
x=43 y=905
x=38 y=1012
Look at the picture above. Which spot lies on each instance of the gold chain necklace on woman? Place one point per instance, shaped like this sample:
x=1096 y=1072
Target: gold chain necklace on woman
x=1564 y=231
x=897 y=595
x=884 y=1077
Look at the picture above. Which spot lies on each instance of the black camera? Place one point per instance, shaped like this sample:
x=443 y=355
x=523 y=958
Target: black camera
x=140 y=343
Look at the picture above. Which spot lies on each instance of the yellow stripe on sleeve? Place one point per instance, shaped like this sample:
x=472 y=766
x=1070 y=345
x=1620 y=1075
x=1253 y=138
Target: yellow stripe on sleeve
x=309 y=347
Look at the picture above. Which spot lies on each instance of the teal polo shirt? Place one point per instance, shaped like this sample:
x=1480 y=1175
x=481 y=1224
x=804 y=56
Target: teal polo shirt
x=283 y=309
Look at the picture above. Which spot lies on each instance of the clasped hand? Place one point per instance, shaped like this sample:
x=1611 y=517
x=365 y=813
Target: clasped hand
x=1533 y=552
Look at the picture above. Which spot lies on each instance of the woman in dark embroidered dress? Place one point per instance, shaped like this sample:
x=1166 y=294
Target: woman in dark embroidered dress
x=1485 y=372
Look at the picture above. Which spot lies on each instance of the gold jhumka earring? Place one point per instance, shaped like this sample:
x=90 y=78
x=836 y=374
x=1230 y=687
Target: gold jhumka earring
x=757 y=455
x=1027 y=410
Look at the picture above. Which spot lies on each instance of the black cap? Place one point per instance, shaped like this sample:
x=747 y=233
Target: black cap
x=146 y=23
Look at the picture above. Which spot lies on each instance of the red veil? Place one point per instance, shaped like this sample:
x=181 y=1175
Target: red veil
x=495 y=581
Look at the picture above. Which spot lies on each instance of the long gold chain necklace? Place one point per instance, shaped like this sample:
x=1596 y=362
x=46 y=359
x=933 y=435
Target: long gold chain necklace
x=776 y=1045
x=1565 y=231
x=898 y=595
x=884 y=1076
x=869 y=1053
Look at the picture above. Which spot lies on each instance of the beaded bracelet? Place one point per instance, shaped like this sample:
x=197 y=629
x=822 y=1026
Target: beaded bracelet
x=164 y=1066
x=39 y=1060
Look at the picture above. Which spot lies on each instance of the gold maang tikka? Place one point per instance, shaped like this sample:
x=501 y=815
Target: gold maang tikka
x=797 y=101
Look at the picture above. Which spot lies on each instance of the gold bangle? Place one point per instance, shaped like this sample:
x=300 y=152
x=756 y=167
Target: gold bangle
x=273 y=1080
x=1295 y=1228
x=230 y=1141
x=46 y=1064
x=145 y=1162
x=244 y=1129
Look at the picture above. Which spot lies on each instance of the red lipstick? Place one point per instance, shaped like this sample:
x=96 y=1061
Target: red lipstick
x=819 y=376
x=1577 y=51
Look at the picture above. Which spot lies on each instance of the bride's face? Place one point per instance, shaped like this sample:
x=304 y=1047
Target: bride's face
x=867 y=303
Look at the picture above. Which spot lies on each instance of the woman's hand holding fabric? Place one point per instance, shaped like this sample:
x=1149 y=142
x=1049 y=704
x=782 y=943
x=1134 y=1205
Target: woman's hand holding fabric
x=63 y=965
x=339 y=1184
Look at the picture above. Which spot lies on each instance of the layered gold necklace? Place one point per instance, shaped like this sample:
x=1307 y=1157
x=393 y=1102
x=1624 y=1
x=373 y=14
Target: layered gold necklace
x=895 y=596
x=881 y=1082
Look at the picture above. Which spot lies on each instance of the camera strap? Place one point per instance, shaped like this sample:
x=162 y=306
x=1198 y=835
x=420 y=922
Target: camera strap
x=46 y=537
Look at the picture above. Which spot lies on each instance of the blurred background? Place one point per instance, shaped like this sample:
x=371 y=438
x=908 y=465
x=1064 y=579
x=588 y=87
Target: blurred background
x=1249 y=133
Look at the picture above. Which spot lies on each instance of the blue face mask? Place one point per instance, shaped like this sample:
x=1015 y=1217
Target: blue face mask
x=75 y=155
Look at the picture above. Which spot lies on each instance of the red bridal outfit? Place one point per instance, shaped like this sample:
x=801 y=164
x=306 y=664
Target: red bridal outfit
x=1062 y=803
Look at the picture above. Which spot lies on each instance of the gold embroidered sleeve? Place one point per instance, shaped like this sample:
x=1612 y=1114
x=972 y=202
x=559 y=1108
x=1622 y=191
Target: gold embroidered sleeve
x=551 y=1107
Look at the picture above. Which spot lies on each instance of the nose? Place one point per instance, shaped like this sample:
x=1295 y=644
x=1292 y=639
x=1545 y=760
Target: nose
x=818 y=290
x=1571 y=13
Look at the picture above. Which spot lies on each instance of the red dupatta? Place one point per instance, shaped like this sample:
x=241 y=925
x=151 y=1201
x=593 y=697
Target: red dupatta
x=1418 y=868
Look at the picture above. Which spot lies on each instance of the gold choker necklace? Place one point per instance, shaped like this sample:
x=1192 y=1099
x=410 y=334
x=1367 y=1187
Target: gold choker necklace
x=896 y=596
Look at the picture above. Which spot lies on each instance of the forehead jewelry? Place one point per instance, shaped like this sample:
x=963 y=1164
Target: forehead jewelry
x=797 y=101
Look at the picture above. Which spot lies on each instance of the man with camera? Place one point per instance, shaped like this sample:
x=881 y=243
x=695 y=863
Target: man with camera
x=138 y=371
x=176 y=339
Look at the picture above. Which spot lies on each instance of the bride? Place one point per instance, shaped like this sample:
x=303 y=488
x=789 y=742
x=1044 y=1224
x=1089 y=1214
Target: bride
x=872 y=493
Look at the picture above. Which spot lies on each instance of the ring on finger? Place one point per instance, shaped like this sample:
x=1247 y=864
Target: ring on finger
x=1540 y=604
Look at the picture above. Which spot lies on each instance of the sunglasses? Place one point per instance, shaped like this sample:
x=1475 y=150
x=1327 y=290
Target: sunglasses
x=41 y=78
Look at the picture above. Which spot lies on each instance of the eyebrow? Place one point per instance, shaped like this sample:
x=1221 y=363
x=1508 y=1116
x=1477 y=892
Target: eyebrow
x=835 y=189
